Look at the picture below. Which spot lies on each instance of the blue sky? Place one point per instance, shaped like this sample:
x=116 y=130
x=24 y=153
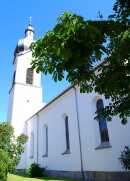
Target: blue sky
x=14 y=18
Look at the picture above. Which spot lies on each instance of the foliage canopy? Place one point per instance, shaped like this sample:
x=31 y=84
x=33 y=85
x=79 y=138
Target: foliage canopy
x=10 y=149
x=75 y=45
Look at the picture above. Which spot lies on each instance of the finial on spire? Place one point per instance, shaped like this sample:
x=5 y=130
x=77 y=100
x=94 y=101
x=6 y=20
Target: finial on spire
x=30 y=21
x=29 y=32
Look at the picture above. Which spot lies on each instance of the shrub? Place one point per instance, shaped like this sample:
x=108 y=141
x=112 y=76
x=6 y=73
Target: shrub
x=125 y=158
x=35 y=170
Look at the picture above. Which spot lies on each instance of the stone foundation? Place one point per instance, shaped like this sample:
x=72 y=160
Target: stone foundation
x=64 y=174
x=90 y=176
x=109 y=176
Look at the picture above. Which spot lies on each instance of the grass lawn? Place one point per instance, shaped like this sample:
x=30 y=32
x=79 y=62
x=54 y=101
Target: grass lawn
x=12 y=177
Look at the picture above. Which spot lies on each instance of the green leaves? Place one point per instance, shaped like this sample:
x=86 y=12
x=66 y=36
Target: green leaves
x=5 y=164
x=10 y=149
x=61 y=48
x=125 y=158
x=35 y=170
x=75 y=45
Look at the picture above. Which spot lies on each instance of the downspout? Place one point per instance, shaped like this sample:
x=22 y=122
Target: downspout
x=79 y=134
x=37 y=136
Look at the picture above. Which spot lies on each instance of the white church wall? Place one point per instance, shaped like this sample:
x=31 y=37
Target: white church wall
x=10 y=106
x=31 y=128
x=53 y=116
x=24 y=97
x=24 y=62
x=105 y=159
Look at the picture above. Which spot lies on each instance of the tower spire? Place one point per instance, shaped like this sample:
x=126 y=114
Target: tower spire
x=29 y=32
x=30 y=21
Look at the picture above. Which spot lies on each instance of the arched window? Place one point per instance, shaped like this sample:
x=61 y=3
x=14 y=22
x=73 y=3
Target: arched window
x=32 y=145
x=46 y=140
x=29 y=76
x=13 y=78
x=102 y=122
x=67 y=134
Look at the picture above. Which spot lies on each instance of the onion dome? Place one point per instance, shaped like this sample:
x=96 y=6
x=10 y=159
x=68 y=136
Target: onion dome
x=24 y=44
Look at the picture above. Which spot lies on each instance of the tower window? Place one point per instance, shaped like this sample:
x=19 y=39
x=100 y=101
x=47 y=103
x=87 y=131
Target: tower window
x=29 y=76
x=13 y=78
x=102 y=122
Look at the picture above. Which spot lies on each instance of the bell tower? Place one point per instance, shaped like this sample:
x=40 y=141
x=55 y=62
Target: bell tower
x=25 y=95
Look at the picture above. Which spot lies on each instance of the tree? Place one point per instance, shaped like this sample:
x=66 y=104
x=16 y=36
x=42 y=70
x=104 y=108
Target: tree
x=10 y=149
x=75 y=45
x=125 y=158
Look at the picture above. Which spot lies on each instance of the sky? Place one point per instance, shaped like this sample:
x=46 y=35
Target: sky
x=14 y=18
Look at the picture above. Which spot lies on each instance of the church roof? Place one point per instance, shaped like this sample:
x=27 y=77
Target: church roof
x=24 y=44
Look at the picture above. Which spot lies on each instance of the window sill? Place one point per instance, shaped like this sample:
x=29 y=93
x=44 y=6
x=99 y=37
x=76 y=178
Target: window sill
x=46 y=155
x=66 y=152
x=104 y=145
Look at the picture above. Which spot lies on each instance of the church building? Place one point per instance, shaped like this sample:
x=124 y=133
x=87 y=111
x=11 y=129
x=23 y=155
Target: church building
x=63 y=135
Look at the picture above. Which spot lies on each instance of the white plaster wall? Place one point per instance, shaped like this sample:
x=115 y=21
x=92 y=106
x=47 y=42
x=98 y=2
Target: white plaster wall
x=24 y=99
x=93 y=160
x=23 y=63
x=53 y=117
x=101 y=159
x=10 y=106
x=31 y=128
